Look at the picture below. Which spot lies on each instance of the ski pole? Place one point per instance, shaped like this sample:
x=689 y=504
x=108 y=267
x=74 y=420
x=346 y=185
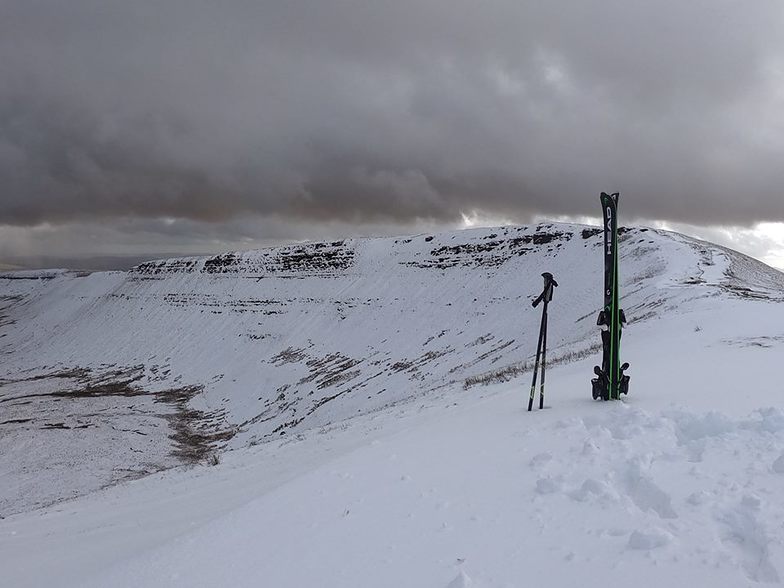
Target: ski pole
x=536 y=365
x=544 y=358
x=546 y=296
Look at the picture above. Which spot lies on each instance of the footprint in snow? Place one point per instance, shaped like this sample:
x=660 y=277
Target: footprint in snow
x=541 y=459
x=591 y=488
x=646 y=494
x=461 y=581
x=778 y=465
x=745 y=535
x=548 y=485
x=698 y=498
x=647 y=540
x=590 y=448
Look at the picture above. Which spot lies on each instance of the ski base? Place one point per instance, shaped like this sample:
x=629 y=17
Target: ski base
x=601 y=388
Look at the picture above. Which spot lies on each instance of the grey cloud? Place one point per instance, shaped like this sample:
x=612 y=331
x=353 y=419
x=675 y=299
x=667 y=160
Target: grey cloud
x=393 y=112
x=119 y=243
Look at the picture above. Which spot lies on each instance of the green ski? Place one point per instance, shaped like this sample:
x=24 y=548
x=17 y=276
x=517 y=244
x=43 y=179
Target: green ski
x=611 y=381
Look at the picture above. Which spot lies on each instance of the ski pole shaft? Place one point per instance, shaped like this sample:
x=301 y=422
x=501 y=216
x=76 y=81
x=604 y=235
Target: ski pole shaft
x=536 y=364
x=544 y=358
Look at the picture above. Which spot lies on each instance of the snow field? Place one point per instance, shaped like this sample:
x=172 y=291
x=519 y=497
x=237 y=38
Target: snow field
x=678 y=484
x=477 y=491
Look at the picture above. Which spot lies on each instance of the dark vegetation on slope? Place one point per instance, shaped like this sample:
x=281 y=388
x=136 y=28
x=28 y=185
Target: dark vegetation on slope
x=194 y=434
x=491 y=253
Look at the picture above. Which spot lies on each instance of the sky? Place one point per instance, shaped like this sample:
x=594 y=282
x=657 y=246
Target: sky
x=139 y=129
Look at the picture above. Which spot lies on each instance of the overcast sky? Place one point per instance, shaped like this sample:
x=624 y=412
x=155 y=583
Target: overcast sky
x=176 y=126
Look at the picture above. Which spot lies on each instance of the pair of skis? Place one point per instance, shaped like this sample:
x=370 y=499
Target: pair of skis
x=610 y=381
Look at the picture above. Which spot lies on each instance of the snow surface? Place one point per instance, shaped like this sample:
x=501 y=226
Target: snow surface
x=413 y=475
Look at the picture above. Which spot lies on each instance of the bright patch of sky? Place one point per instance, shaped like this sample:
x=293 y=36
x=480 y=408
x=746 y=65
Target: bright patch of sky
x=764 y=241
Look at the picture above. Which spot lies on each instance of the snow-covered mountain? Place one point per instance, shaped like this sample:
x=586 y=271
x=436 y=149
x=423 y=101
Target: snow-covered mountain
x=309 y=351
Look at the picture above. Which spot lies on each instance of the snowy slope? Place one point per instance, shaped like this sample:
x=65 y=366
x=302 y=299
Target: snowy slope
x=412 y=472
x=167 y=362
x=176 y=359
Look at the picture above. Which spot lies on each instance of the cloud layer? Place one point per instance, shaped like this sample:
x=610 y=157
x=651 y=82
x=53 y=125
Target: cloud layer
x=388 y=112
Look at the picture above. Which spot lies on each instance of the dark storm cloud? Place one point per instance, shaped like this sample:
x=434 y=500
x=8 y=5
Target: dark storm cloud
x=387 y=112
